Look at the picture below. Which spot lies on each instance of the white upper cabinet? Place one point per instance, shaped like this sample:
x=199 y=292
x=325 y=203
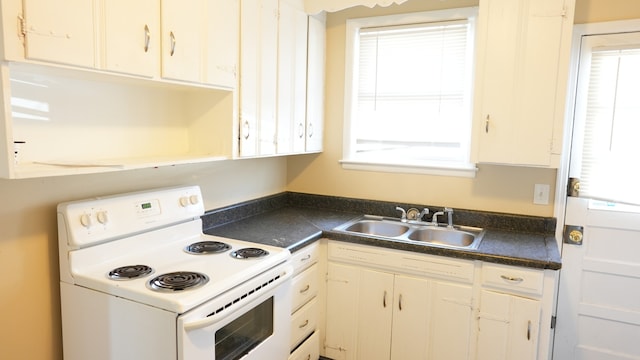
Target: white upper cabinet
x=282 y=78
x=194 y=41
x=222 y=42
x=292 y=77
x=522 y=73
x=258 y=79
x=131 y=37
x=182 y=38
x=59 y=31
x=316 y=57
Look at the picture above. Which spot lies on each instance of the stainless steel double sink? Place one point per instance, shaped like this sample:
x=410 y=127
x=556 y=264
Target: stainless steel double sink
x=460 y=237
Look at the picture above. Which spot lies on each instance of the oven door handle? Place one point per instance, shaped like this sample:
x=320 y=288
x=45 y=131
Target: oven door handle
x=232 y=308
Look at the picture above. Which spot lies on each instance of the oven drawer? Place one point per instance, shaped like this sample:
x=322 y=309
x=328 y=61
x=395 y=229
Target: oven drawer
x=304 y=287
x=304 y=322
x=309 y=350
x=305 y=257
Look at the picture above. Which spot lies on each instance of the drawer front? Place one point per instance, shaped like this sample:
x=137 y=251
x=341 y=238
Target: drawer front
x=512 y=278
x=304 y=322
x=309 y=350
x=304 y=287
x=305 y=257
x=402 y=261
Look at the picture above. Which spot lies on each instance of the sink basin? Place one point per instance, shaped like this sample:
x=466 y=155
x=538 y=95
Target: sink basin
x=461 y=237
x=443 y=236
x=379 y=228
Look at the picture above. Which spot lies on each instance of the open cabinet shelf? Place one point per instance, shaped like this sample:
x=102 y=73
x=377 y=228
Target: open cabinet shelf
x=78 y=122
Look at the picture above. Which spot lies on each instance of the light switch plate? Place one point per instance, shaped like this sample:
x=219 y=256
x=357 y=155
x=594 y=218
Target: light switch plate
x=541 y=194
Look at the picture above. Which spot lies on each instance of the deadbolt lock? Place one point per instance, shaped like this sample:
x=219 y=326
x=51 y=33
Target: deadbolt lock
x=573 y=234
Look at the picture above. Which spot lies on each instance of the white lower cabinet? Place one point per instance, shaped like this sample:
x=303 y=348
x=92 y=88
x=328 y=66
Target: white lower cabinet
x=393 y=304
x=508 y=327
x=377 y=314
x=514 y=317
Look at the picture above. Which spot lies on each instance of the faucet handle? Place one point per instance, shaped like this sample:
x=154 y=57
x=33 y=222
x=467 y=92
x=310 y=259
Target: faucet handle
x=424 y=212
x=404 y=213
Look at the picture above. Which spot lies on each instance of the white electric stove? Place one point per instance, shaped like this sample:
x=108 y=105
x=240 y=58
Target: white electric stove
x=139 y=280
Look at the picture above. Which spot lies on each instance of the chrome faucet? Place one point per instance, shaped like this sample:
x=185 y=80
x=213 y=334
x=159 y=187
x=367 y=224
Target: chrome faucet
x=404 y=214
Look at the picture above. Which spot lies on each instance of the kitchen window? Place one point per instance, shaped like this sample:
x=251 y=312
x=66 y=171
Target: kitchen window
x=408 y=93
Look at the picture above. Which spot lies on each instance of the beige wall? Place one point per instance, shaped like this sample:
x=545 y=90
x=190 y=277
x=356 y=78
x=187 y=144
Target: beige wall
x=29 y=298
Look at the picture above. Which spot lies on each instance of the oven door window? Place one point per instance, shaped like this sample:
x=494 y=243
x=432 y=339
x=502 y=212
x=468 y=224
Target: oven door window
x=240 y=336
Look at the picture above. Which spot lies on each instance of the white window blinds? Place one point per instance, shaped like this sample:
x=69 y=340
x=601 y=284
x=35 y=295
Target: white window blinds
x=413 y=92
x=611 y=147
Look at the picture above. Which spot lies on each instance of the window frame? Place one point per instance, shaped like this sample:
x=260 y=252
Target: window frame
x=353 y=26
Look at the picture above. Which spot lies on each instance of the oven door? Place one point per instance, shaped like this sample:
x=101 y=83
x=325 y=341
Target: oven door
x=251 y=321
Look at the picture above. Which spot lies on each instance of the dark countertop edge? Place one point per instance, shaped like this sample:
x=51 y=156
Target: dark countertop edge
x=347 y=208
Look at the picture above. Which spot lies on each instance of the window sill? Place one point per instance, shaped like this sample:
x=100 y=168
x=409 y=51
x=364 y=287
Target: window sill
x=461 y=170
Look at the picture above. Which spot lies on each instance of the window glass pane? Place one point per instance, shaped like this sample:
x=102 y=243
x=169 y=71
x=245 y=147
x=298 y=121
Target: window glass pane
x=240 y=336
x=612 y=125
x=413 y=93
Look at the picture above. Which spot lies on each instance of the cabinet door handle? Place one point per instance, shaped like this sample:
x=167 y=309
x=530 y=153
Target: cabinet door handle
x=512 y=279
x=173 y=43
x=400 y=302
x=246 y=127
x=147 y=38
x=310 y=129
x=306 y=322
x=529 y=330
x=486 y=125
x=300 y=130
x=308 y=257
x=305 y=289
x=384 y=299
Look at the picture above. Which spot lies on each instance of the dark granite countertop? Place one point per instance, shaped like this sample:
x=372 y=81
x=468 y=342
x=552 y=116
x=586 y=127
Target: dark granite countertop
x=293 y=220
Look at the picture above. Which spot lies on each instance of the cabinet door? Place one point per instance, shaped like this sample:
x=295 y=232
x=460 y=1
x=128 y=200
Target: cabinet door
x=182 y=41
x=292 y=77
x=60 y=31
x=132 y=37
x=375 y=314
x=411 y=313
x=315 y=84
x=258 y=80
x=508 y=327
x=521 y=64
x=222 y=44
x=342 y=308
x=451 y=322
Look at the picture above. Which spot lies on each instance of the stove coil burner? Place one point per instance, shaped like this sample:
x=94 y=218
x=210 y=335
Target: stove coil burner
x=248 y=253
x=178 y=281
x=207 y=247
x=129 y=272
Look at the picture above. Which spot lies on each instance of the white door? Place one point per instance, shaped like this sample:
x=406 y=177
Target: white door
x=598 y=314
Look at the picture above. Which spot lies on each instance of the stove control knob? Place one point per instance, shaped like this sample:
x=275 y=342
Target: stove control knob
x=85 y=220
x=184 y=201
x=103 y=217
x=193 y=199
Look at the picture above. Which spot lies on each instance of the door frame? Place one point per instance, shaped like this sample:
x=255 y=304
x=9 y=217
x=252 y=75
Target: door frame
x=579 y=30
